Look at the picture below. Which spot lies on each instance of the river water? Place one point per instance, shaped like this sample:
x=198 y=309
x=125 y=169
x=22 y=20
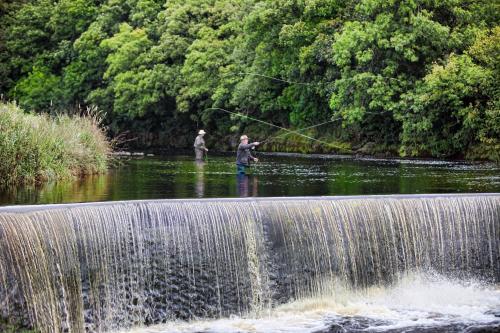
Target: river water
x=274 y=175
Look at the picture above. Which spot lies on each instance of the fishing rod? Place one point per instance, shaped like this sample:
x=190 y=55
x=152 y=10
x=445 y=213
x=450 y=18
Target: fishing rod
x=276 y=126
x=302 y=129
x=267 y=123
x=297 y=132
x=317 y=125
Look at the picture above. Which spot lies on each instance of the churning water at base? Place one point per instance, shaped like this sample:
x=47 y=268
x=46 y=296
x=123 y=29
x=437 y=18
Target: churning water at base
x=293 y=265
x=418 y=302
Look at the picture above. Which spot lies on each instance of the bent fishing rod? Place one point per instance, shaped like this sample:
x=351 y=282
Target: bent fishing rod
x=297 y=132
x=282 y=128
x=302 y=129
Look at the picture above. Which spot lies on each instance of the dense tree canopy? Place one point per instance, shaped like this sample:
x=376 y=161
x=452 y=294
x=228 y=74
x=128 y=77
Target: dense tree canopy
x=420 y=76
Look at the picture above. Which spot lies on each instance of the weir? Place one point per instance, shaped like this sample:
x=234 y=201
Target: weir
x=97 y=267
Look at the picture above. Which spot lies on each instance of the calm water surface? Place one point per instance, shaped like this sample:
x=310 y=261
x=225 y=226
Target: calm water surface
x=274 y=175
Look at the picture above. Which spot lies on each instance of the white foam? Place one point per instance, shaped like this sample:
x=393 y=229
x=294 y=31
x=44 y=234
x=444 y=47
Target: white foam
x=417 y=300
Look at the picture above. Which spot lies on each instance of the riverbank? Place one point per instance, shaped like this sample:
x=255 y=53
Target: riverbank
x=324 y=144
x=327 y=145
x=313 y=142
x=36 y=148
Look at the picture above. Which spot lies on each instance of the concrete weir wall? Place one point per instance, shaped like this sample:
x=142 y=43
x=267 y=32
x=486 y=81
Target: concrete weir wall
x=101 y=266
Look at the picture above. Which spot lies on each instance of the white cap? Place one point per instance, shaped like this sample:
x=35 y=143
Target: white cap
x=243 y=137
x=202 y=132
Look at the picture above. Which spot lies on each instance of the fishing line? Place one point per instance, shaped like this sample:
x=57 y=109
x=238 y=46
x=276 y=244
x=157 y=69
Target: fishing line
x=265 y=122
x=302 y=129
x=277 y=79
x=317 y=125
x=276 y=126
x=304 y=83
x=297 y=132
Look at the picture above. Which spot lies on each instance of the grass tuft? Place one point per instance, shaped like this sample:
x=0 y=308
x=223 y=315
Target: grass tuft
x=38 y=148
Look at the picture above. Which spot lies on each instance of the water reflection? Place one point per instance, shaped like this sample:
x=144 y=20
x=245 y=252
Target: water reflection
x=247 y=185
x=200 y=179
x=180 y=177
x=86 y=189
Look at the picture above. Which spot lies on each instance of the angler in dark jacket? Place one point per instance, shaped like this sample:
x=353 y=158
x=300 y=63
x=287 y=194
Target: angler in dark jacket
x=243 y=155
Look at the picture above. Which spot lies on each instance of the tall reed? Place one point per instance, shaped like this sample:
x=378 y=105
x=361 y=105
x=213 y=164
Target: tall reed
x=35 y=147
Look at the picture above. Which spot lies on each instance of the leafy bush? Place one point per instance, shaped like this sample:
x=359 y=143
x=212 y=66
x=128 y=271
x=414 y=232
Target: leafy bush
x=455 y=109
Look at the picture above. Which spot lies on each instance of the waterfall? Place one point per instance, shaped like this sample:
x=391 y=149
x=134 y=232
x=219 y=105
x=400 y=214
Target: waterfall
x=101 y=266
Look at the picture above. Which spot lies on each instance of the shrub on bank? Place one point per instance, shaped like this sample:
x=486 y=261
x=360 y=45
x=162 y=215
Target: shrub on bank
x=36 y=148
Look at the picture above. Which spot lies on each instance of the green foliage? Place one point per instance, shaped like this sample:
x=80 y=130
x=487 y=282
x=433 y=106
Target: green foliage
x=456 y=108
x=421 y=75
x=381 y=53
x=287 y=40
x=40 y=89
x=70 y=18
x=131 y=85
x=35 y=148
